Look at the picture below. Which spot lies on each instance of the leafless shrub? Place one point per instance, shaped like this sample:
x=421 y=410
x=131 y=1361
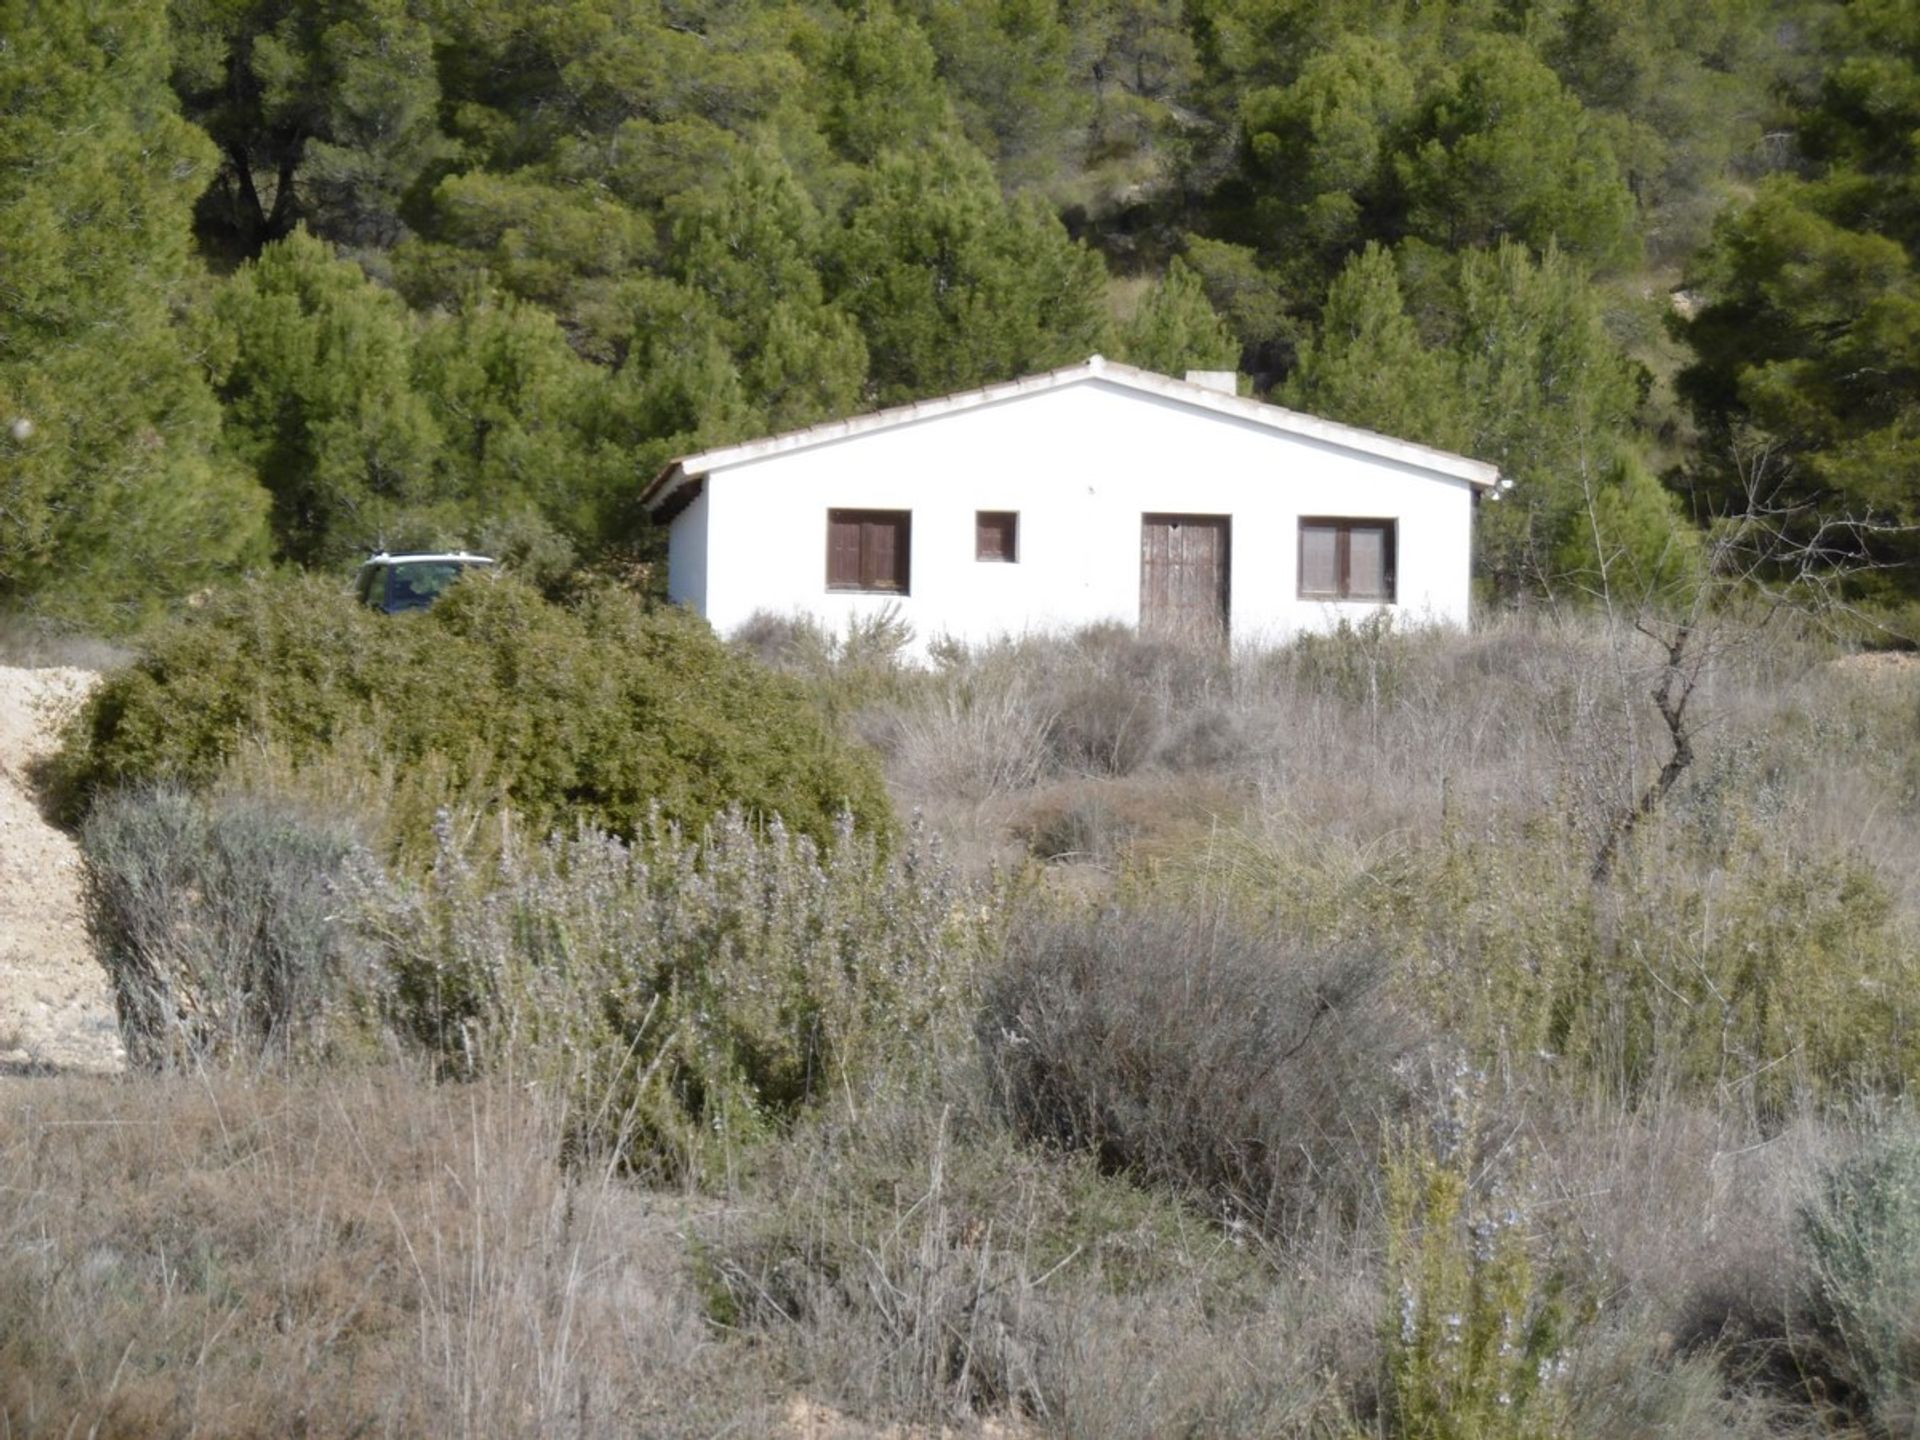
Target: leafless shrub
x=925 y=1266
x=975 y=742
x=845 y=670
x=221 y=923
x=1196 y=1050
x=1688 y=1209
x=1300 y=1360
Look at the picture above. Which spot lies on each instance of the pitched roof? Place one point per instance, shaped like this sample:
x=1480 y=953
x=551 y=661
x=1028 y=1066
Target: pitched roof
x=1096 y=368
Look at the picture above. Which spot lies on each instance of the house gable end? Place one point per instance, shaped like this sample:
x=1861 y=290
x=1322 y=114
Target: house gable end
x=1157 y=391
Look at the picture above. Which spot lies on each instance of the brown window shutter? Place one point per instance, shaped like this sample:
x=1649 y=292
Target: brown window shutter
x=1367 y=561
x=995 y=535
x=868 y=549
x=843 y=550
x=880 y=552
x=1319 y=559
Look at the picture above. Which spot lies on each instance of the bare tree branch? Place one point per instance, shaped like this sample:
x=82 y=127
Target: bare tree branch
x=1786 y=554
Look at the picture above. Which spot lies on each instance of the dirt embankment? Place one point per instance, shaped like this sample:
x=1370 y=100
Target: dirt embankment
x=55 y=1007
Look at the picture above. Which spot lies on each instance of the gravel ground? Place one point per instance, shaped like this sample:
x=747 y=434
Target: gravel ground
x=55 y=1008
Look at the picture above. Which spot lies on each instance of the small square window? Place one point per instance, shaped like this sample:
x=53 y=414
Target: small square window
x=869 y=550
x=1347 y=559
x=996 y=535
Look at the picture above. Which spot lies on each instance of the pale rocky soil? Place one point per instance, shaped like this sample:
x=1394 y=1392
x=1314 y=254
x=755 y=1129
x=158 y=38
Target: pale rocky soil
x=55 y=1008
x=1889 y=666
x=809 y=1420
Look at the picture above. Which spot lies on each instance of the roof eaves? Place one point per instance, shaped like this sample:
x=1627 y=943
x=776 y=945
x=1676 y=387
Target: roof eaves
x=661 y=483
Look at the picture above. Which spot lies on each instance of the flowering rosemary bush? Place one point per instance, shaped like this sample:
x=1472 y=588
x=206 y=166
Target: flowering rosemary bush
x=687 y=994
x=1474 y=1331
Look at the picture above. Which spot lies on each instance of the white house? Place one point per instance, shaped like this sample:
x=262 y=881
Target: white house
x=1092 y=493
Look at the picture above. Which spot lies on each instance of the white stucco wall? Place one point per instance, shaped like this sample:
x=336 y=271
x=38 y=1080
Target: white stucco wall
x=687 y=555
x=1081 y=464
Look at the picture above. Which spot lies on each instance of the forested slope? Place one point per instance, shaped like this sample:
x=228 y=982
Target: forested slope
x=286 y=280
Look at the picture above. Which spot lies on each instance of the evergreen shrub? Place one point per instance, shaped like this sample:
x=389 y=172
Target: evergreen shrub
x=687 y=994
x=1476 y=1326
x=600 y=713
x=1861 y=1237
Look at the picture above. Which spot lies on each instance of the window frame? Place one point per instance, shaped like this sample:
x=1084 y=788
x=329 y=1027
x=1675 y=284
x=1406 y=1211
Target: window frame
x=869 y=520
x=1343 y=527
x=1010 y=533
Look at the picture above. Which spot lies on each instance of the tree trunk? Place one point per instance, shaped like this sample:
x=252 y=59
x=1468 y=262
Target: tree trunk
x=1670 y=696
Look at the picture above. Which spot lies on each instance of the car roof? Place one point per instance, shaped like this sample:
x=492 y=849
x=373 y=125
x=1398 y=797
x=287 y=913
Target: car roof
x=453 y=555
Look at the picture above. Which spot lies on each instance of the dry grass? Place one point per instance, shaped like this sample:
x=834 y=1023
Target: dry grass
x=342 y=1255
x=1372 y=733
x=373 y=1254
x=928 y=1265
x=1142 y=1207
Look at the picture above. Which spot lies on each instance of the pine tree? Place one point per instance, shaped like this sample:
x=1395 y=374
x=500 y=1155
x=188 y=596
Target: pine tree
x=524 y=420
x=882 y=90
x=1504 y=151
x=113 y=493
x=1550 y=398
x=953 y=285
x=1632 y=543
x=320 y=401
x=1176 y=329
x=752 y=243
x=1009 y=66
x=1807 y=346
x=1318 y=153
x=323 y=112
x=1368 y=365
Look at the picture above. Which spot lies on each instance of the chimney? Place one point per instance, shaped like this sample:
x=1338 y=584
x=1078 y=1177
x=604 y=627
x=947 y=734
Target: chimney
x=1227 y=382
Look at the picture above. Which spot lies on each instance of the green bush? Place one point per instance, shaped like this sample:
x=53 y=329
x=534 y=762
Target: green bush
x=687 y=995
x=220 y=923
x=1861 y=1236
x=1740 y=962
x=1764 y=969
x=1475 y=1327
x=600 y=714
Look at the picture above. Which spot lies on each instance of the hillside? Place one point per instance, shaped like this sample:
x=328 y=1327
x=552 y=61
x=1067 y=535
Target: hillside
x=365 y=273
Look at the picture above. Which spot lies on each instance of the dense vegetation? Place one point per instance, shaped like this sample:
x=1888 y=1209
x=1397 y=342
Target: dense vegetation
x=540 y=1023
x=294 y=280
x=605 y=713
x=1235 y=1046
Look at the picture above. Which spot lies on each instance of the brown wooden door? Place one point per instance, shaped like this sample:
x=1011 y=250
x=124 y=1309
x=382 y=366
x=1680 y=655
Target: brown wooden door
x=1185 y=570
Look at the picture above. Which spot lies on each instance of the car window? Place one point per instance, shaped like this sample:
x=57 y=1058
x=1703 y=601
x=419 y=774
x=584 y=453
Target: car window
x=373 y=584
x=416 y=586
